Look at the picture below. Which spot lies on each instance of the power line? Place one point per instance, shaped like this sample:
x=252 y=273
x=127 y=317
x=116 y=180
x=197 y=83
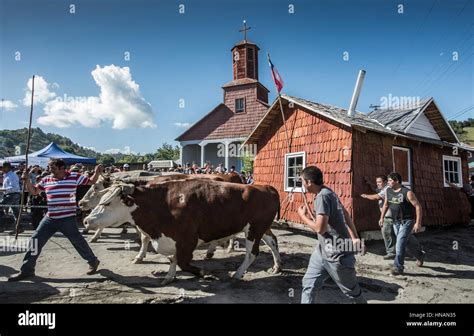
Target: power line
x=430 y=87
x=416 y=34
x=451 y=21
x=426 y=81
x=461 y=112
x=439 y=67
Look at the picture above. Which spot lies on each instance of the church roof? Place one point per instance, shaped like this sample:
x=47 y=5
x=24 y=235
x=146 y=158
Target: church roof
x=243 y=81
x=244 y=42
x=223 y=123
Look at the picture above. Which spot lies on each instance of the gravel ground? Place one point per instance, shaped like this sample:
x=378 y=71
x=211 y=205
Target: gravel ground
x=447 y=276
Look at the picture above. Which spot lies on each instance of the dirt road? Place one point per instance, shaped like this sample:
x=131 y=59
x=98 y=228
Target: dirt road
x=447 y=276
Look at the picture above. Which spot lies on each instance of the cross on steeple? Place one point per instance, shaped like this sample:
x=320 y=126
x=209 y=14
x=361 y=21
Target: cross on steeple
x=244 y=30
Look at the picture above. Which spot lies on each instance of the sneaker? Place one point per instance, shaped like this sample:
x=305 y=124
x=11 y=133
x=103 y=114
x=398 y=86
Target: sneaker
x=396 y=271
x=421 y=260
x=93 y=267
x=389 y=257
x=21 y=276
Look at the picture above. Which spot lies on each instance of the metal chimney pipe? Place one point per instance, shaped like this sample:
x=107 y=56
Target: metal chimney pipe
x=356 y=94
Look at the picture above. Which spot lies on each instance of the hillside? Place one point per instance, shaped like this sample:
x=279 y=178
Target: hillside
x=11 y=138
x=469 y=135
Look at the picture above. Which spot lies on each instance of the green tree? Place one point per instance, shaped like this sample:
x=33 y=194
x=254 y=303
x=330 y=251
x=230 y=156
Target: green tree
x=247 y=163
x=167 y=152
x=106 y=160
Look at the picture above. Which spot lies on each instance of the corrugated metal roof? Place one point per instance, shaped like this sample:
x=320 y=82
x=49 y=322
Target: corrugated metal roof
x=360 y=120
x=398 y=119
x=340 y=115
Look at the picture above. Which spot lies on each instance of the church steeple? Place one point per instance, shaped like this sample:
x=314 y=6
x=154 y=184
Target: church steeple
x=245 y=57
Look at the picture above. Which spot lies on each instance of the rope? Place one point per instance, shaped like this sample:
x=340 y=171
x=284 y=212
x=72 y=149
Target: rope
x=290 y=195
x=38 y=206
x=307 y=206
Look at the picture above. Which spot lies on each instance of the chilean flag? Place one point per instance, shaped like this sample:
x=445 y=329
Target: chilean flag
x=276 y=76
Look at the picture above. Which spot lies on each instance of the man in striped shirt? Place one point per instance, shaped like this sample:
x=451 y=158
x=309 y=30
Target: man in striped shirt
x=60 y=188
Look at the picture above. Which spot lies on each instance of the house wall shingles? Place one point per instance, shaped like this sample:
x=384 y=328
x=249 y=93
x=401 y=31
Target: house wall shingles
x=326 y=145
x=373 y=156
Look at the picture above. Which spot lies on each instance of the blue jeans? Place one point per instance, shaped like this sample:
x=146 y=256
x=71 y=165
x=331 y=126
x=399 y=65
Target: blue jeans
x=11 y=199
x=403 y=231
x=46 y=229
x=390 y=239
x=342 y=272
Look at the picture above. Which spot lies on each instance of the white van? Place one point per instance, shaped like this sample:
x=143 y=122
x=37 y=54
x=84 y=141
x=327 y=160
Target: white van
x=162 y=164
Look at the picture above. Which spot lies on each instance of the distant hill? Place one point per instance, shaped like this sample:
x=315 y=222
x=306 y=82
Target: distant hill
x=9 y=139
x=469 y=135
x=464 y=130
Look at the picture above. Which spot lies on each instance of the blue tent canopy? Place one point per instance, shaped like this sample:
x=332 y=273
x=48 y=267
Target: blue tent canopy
x=53 y=151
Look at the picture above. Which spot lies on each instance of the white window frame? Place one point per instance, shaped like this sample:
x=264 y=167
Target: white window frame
x=459 y=161
x=410 y=176
x=285 y=182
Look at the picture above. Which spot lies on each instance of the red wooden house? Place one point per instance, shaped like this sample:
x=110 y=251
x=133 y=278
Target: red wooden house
x=416 y=141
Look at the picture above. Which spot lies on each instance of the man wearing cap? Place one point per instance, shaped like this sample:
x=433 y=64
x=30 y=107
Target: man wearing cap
x=11 y=191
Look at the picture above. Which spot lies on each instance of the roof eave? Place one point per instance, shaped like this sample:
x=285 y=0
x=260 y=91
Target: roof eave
x=197 y=123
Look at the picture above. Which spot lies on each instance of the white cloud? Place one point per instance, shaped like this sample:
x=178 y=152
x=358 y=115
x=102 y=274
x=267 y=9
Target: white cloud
x=125 y=150
x=7 y=105
x=120 y=103
x=182 y=125
x=42 y=91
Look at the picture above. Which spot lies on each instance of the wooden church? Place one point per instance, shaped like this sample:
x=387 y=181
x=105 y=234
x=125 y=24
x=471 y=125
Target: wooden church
x=216 y=136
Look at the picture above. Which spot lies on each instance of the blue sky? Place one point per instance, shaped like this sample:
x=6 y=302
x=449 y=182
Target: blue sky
x=187 y=56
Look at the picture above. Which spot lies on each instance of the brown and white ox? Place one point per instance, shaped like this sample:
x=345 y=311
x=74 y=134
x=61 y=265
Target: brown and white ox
x=93 y=196
x=180 y=215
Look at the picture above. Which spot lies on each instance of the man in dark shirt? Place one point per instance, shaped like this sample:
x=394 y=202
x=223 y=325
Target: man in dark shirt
x=406 y=214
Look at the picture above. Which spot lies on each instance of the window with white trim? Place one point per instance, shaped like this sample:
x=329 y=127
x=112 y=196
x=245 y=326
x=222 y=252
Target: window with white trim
x=294 y=164
x=452 y=170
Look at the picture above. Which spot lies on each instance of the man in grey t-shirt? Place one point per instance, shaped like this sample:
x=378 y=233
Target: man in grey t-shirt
x=338 y=240
x=332 y=242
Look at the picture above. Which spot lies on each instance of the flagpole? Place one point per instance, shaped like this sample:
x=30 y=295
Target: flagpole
x=281 y=110
x=22 y=199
